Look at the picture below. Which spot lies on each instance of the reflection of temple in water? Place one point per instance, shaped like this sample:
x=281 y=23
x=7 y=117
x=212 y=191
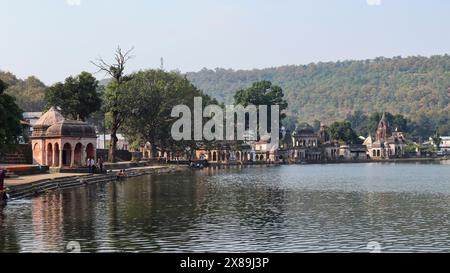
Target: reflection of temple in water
x=47 y=221
x=65 y=216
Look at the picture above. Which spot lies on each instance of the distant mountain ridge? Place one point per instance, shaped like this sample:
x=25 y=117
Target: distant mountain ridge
x=29 y=92
x=412 y=86
x=417 y=87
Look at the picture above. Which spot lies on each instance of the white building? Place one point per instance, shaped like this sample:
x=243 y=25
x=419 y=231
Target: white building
x=444 y=146
x=104 y=140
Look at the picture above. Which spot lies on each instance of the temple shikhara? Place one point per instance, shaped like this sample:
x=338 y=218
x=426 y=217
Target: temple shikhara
x=387 y=144
x=62 y=143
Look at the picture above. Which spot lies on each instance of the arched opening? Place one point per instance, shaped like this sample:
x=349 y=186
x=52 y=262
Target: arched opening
x=378 y=153
x=56 y=155
x=37 y=153
x=214 y=156
x=77 y=154
x=67 y=154
x=374 y=153
x=49 y=155
x=90 y=151
x=238 y=156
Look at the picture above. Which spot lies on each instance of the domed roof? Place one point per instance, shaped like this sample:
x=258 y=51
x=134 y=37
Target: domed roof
x=50 y=117
x=71 y=128
x=303 y=131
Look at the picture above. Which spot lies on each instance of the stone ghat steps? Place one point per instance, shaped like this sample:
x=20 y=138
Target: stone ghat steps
x=43 y=186
x=135 y=173
x=39 y=187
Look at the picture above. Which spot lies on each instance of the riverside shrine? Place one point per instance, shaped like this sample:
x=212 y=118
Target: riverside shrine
x=62 y=143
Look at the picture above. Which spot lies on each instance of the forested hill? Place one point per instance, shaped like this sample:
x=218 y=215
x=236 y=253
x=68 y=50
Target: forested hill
x=412 y=86
x=29 y=93
x=417 y=87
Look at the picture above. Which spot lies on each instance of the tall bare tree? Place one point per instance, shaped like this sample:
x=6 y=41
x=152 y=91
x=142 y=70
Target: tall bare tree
x=112 y=103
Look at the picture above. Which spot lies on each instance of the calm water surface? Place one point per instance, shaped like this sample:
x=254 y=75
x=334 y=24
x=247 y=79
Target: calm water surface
x=307 y=208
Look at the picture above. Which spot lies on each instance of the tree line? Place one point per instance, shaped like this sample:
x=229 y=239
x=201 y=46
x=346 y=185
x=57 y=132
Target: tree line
x=139 y=104
x=415 y=87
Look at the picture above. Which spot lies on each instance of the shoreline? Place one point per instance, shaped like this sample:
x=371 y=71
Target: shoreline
x=72 y=180
x=41 y=186
x=392 y=160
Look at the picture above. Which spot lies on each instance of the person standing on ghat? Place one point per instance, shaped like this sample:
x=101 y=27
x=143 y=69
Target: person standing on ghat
x=2 y=185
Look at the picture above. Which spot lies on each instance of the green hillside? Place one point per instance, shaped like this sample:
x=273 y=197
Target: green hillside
x=417 y=87
x=29 y=93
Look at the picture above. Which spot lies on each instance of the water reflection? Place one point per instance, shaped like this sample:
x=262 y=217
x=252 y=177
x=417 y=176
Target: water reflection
x=315 y=208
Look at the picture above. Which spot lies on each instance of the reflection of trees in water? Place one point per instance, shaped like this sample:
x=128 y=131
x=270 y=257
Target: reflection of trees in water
x=45 y=226
x=84 y=218
x=153 y=209
x=9 y=241
x=255 y=204
x=260 y=206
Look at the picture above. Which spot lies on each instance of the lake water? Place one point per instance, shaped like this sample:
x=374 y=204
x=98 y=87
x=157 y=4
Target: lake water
x=298 y=208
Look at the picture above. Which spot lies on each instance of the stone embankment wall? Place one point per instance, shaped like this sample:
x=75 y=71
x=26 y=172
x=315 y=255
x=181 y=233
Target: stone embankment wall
x=47 y=185
x=20 y=154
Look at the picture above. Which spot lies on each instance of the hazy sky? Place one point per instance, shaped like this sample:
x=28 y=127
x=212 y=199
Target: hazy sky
x=53 y=39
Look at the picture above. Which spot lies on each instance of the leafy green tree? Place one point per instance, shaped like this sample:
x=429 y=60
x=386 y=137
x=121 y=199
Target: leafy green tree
x=442 y=121
x=423 y=127
x=10 y=116
x=149 y=97
x=342 y=131
x=77 y=96
x=400 y=123
x=114 y=102
x=263 y=93
x=359 y=121
x=290 y=123
x=437 y=140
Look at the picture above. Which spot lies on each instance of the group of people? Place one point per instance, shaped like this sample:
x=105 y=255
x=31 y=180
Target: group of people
x=121 y=174
x=95 y=166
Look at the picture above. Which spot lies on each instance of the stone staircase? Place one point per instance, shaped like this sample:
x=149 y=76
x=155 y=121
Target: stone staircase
x=46 y=185
x=42 y=186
